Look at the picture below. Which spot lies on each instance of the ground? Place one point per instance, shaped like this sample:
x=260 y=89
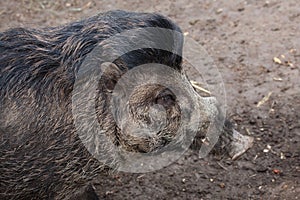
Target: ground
x=256 y=46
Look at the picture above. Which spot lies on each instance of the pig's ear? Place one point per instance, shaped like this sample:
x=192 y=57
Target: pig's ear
x=111 y=75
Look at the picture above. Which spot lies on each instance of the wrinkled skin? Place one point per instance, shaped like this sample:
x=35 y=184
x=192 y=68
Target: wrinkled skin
x=41 y=156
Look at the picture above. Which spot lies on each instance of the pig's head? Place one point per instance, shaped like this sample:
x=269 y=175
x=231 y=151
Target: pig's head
x=144 y=100
x=152 y=105
x=148 y=109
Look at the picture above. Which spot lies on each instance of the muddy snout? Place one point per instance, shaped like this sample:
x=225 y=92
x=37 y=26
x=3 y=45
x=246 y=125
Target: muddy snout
x=216 y=133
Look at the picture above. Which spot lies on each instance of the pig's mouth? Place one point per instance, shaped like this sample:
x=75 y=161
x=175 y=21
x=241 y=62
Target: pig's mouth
x=230 y=142
x=149 y=144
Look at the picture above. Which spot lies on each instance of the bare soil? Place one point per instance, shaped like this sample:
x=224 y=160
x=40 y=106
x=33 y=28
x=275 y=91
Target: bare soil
x=242 y=37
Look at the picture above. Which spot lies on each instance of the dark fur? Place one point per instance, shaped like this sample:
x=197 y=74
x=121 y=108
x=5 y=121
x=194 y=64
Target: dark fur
x=41 y=157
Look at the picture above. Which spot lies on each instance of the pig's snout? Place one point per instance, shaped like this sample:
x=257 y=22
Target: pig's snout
x=216 y=133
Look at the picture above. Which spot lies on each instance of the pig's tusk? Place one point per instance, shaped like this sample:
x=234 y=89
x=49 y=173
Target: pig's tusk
x=196 y=85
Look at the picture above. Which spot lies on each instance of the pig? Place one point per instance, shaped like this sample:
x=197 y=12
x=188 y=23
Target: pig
x=42 y=156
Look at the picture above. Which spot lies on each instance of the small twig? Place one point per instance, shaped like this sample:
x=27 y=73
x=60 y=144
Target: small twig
x=81 y=8
x=222 y=166
x=248 y=131
x=264 y=100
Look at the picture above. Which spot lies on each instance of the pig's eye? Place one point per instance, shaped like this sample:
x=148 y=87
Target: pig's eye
x=165 y=100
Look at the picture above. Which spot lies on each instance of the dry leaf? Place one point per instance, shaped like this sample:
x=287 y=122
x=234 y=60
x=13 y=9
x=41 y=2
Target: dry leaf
x=185 y=33
x=290 y=64
x=277 y=60
x=277 y=79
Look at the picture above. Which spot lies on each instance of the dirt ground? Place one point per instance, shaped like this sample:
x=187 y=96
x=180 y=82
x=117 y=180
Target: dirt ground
x=242 y=37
